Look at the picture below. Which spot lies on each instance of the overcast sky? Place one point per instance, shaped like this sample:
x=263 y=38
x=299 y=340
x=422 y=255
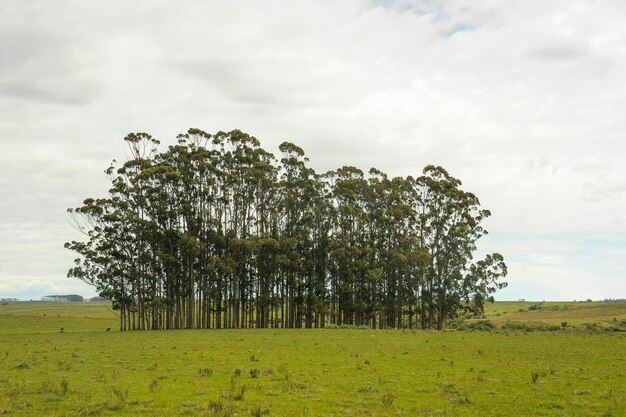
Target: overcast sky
x=525 y=102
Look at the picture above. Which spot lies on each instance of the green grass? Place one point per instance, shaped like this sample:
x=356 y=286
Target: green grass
x=40 y=317
x=86 y=371
x=576 y=314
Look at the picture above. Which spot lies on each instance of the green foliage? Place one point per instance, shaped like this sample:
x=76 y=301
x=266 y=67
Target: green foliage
x=215 y=232
x=478 y=325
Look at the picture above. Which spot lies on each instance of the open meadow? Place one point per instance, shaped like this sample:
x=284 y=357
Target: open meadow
x=87 y=371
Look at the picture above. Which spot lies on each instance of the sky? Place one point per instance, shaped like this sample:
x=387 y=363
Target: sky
x=525 y=102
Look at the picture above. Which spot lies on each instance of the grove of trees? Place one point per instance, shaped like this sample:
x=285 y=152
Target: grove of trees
x=215 y=232
x=67 y=298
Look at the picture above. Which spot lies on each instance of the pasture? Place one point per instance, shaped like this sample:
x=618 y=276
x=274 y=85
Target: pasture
x=87 y=371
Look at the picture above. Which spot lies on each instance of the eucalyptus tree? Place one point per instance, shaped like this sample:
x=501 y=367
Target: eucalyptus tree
x=349 y=254
x=303 y=232
x=397 y=259
x=215 y=232
x=450 y=226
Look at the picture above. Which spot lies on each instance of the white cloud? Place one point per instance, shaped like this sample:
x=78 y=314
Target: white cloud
x=523 y=101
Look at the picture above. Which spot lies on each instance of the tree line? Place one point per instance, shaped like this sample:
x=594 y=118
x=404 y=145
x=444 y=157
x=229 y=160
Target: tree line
x=66 y=298
x=216 y=232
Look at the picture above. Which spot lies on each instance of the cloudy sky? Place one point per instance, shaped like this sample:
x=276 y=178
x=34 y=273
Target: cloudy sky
x=525 y=102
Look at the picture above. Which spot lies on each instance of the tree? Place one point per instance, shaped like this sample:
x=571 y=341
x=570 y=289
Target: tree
x=450 y=226
x=214 y=232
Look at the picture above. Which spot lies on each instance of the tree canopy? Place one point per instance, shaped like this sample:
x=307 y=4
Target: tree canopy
x=216 y=232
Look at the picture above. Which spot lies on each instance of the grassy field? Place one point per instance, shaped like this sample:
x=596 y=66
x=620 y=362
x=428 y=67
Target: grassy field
x=577 y=315
x=87 y=371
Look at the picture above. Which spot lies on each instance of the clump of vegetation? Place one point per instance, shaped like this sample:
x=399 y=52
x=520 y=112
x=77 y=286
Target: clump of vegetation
x=237 y=393
x=478 y=325
x=64 y=387
x=228 y=214
x=215 y=406
x=218 y=409
x=387 y=399
x=534 y=377
x=47 y=387
x=121 y=394
x=369 y=389
x=592 y=327
x=260 y=410
x=530 y=327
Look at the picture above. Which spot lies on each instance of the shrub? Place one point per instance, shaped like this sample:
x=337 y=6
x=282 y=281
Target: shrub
x=515 y=326
x=456 y=323
x=479 y=325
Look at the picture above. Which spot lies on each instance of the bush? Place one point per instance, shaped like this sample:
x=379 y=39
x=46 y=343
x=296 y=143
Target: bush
x=593 y=327
x=456 y=323
x=530 y=327
x=479 y=325
x=516 y=326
